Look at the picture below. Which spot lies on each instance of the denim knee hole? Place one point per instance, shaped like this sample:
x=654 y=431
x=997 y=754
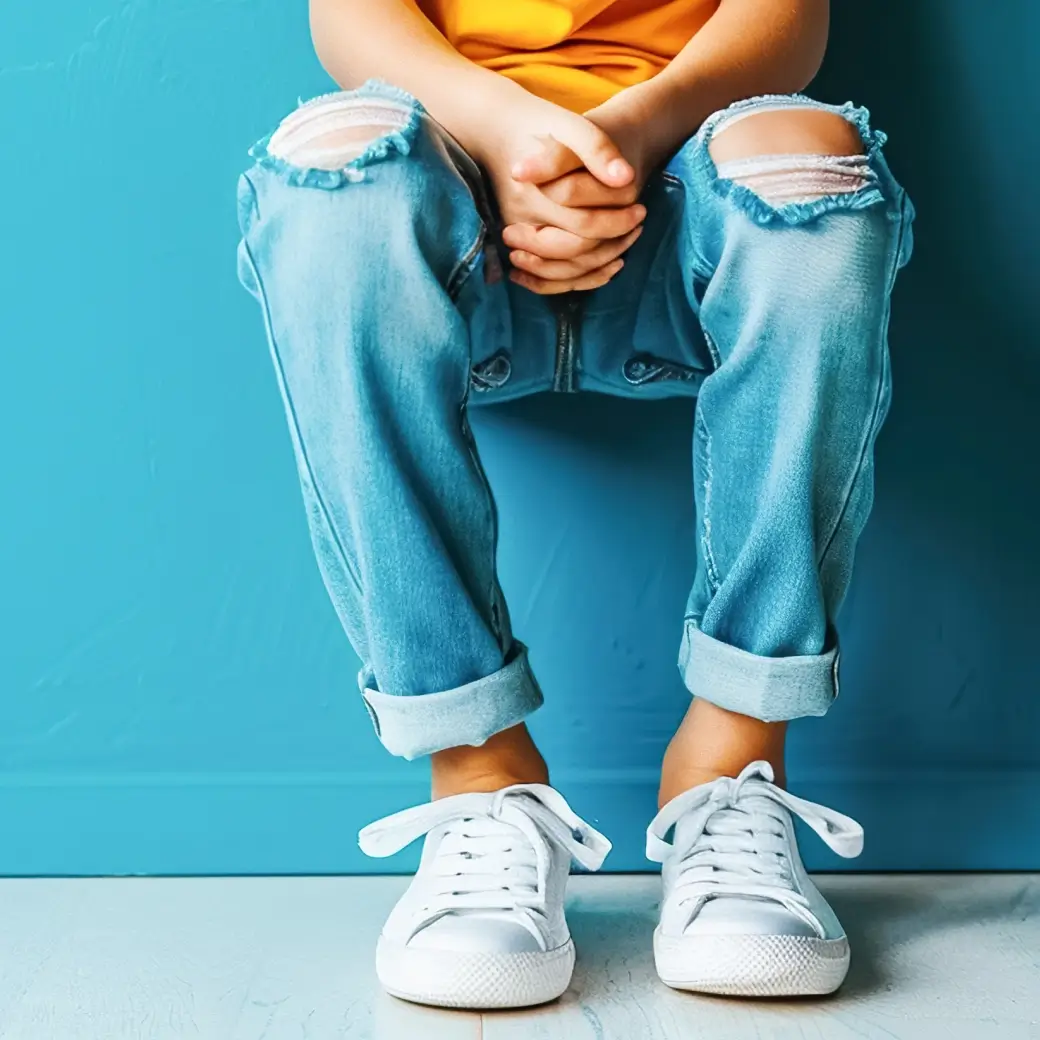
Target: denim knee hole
x=331 y=140
x=799 y=185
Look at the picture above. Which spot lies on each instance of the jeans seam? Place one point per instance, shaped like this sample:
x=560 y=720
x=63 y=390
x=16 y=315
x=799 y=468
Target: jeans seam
x=872 y=429
x=700 y=268
x=295 y=423
x=464 y=268
x=874 y=426
x=709 y=557
x=494 y=590
x=455 y=283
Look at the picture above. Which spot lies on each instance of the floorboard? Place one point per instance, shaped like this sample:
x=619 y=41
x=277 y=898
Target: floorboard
x=935 y=957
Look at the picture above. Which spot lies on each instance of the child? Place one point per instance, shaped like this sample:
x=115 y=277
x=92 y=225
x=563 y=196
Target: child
x=661 y=236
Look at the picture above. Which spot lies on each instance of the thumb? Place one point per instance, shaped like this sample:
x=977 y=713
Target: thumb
x=549 y=160
x=598 y=153
x=577 y=144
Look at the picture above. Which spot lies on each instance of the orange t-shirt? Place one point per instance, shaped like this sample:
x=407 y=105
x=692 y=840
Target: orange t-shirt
x=576 y=53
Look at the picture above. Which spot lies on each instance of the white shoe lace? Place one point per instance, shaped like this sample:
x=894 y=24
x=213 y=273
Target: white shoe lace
x=734 y=842
x=495 y=855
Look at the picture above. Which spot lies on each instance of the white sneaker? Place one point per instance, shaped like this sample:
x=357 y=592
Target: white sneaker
x=739 y=915
x=482 y=923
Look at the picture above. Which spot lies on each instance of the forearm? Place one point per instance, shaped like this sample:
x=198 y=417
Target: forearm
x=747 y=48
x=391 y=39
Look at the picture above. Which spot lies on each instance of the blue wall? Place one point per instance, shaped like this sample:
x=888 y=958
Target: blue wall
x=175 y=695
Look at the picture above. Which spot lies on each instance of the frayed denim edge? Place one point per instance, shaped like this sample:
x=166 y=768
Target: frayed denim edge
x=400 y=141
x=760 y=211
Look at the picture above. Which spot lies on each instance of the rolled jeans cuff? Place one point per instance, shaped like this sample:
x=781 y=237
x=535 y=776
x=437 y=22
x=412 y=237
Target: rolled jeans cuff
x=412 y=726
x=773 y=689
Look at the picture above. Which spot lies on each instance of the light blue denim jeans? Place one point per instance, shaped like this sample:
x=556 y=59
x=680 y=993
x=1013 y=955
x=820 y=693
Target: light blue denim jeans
x=388 y=314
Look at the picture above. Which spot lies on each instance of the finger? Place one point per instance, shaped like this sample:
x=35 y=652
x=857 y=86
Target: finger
x=561 y=270
x=550 y=242
x=529 y=205
x=549 y=161
x=598 y=153
x=593 y=148
x=545 y=287
x=581 y=190
x=592 y=223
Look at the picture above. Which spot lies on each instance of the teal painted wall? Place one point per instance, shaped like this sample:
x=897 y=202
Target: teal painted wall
x=175 y=695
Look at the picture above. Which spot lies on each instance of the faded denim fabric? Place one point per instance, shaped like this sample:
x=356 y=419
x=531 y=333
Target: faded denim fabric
x=387 y=312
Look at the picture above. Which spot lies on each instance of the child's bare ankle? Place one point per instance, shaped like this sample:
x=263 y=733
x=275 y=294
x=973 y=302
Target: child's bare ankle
x=444 y=786
x=507 y=758
x=712 y=742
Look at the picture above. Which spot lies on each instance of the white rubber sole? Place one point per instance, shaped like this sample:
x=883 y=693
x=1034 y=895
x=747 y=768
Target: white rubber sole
x=474 y=980
x=752 y=965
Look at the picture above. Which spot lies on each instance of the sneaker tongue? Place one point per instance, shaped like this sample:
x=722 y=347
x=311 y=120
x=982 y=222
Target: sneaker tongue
x=747 y=815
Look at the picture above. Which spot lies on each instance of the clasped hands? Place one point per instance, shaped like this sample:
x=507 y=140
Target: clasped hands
x=568 y=196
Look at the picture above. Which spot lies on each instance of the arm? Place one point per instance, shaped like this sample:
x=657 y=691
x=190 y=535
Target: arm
x=392 y=40
x=494 y=119
x=748 y=47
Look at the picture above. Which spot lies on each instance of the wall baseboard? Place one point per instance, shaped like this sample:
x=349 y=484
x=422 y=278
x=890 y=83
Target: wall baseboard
x=251 y=823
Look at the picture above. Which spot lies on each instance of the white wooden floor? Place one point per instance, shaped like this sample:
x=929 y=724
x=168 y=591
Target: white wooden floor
x=934 y=958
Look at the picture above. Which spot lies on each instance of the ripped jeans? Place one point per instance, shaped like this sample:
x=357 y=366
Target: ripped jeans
x=761 y=289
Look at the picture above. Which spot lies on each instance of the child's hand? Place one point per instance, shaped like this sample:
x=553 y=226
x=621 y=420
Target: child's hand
x=559 y=246
x=545 y=259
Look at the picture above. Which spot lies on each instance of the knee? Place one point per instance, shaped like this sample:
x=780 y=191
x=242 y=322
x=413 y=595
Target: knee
x=360 y=184
x=785 y=167
x=344 y=132
x=820 y=283
x=334 y=174
x=792 y=154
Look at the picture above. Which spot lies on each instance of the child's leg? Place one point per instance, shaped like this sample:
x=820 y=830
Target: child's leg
x=787 y=251
x=360 y=240
x=363 y=243
x=791 y=246
x=712 y=742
